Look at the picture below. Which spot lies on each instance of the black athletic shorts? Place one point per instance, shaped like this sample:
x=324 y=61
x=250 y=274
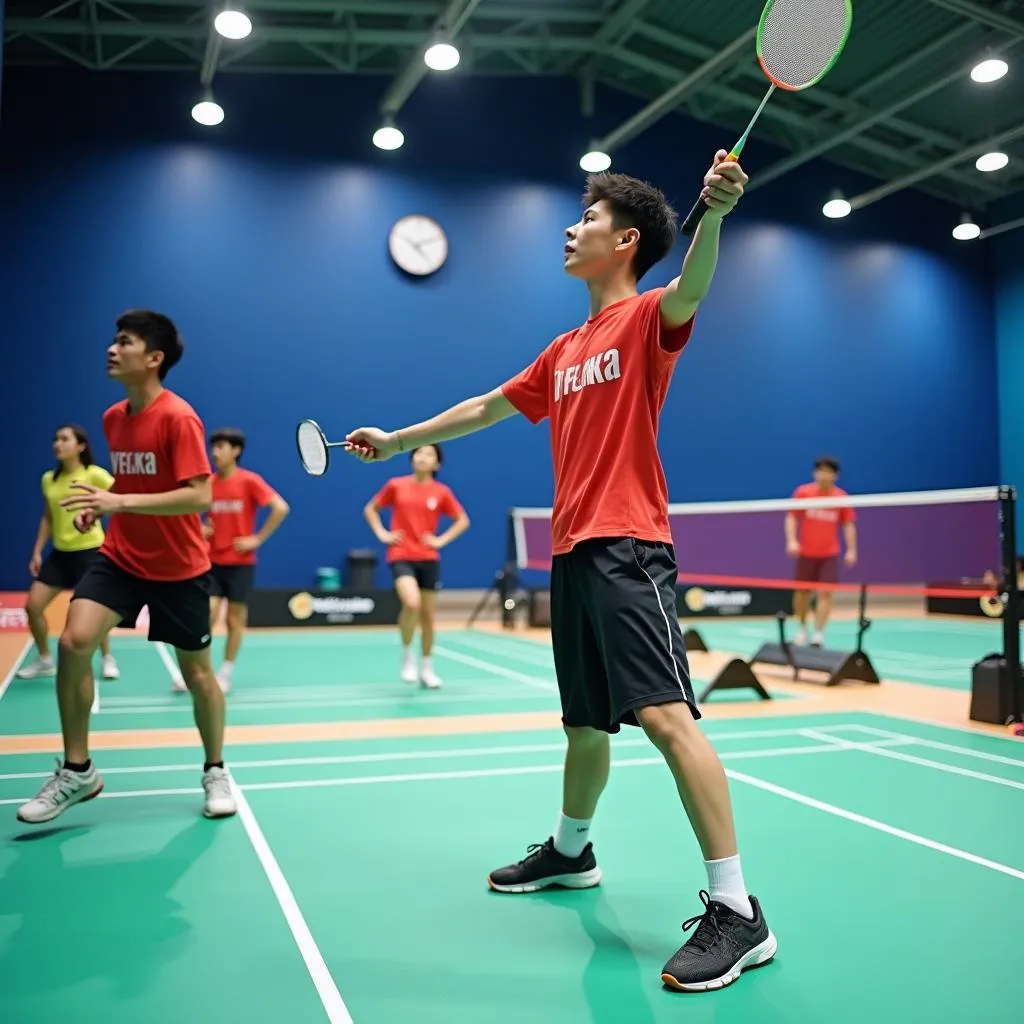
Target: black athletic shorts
x=616 y=636
x=179 y=611
x=65 y=569
x=427 y=574
x=231 y=581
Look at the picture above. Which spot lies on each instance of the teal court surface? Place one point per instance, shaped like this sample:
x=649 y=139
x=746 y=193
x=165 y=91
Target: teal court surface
x=888 y=852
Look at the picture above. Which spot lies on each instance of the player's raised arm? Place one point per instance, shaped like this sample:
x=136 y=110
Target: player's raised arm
x=723 y=186
x=373 y=444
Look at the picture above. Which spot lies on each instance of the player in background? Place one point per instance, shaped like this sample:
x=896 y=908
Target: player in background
x=619 y=653
x=154 y=555
x=234 y=540
x=72 y=552
x=417 y=502
x=812 y=538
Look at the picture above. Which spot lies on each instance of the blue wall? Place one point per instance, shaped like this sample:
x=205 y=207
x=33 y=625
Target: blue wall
x=266 y=240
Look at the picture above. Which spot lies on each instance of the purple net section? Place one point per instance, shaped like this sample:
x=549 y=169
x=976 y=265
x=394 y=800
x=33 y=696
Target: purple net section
x=897 y=544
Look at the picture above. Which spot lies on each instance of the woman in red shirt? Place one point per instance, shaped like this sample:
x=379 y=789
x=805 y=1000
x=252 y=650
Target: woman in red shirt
x=417 y=502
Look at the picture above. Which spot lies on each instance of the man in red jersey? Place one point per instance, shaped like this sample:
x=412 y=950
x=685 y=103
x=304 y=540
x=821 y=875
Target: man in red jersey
x=619 y=652
x=154 y=555
x=816 y=547
x=231 y=529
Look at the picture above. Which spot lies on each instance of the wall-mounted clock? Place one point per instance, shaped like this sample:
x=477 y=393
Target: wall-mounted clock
x=418 y=245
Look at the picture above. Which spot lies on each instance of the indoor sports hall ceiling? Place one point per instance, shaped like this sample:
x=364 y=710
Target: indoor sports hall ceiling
x=900 y=102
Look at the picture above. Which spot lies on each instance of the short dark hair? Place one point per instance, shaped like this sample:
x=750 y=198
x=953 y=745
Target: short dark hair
x=233 y=436
x=636 y=204
x=437 y=452
x=828 y=461
x=157 y=331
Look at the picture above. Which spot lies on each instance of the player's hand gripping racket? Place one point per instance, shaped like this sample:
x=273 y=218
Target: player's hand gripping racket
x=314 y=448
x=798 y=44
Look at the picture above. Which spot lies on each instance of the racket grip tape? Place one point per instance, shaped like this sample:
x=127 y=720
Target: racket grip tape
x=694 y=217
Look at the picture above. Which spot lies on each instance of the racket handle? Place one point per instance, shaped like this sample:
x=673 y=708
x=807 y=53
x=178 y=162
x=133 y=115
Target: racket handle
x=693 y=218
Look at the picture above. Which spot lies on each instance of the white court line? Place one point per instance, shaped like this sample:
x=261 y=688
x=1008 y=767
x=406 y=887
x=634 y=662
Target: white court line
x=879 y=826
x=468 y=773
x=334 y=1006
x=9 y=678
x=924 y=762
x=330 y=997
x=981 y=755
x=409 y=755
x=516 y=651
x=498 y=670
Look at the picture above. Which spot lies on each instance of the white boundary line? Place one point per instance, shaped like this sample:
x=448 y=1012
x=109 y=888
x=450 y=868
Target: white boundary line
x=942 y=725
x=330 y=997
x=498 y=670
x=9 y=678
x=878 y=826
x=334 y=1006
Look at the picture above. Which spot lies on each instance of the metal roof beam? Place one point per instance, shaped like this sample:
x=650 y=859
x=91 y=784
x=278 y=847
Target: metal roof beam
x=892 y=187
x=983 y=15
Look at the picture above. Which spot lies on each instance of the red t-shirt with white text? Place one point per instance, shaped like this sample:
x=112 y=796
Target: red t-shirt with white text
x=153 y=451
x=603 y=386
x=819 y=527
x=233 y=514
x=416 y=510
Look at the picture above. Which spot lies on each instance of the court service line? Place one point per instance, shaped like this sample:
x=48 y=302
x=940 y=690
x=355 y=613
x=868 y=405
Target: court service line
x=873 y=823
x=498 y=670
x=918 y=741
x=330 y=997
x=924 y=762
x=988 y=733
x=9 y=678
x=469 y=773
x=334 y=1006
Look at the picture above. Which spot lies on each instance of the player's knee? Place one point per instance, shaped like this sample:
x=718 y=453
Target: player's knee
x=75 y=641
x=238 y=616
x=666 y=724
x=582 y=736
x=199 y=676
x=412 y=604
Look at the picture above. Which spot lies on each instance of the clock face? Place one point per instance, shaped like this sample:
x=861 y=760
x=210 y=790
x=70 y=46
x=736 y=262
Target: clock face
x=418 y=245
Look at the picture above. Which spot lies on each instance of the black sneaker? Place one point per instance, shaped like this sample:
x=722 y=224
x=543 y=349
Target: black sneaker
x=544 y=866
x=724 y=945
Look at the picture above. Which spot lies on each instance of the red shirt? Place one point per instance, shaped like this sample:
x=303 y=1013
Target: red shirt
x=819 y=527
x=603 y=386
x=151 y=452
x=233 y=514
x=416 y=510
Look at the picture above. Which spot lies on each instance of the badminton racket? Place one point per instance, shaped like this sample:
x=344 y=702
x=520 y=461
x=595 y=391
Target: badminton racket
x=798 y=44
x=314 y=448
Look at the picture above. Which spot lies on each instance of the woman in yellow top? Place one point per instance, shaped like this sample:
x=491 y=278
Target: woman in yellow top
x=72 y=551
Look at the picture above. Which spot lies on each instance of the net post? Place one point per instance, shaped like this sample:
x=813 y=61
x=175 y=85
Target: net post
x=1011 y=608
x=863 y=622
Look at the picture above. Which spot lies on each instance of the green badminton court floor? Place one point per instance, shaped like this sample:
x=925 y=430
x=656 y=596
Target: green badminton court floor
x=888 y=853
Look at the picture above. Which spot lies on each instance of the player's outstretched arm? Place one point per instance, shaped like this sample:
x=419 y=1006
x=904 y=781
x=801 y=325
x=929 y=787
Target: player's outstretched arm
x=723 y=186
x=371 y=444
x=195 y=495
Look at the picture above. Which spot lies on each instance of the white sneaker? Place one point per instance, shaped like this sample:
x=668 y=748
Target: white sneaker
x=220 y=801
x=110 y=669
x=62 y=790
x=178 y=683
x=224 y=682
x=801 y=638
x=818 y=640
x=37 y=668
x=409 y=674
x=430 y=679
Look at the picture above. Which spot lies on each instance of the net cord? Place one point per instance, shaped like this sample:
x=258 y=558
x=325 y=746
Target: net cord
x=953 y=496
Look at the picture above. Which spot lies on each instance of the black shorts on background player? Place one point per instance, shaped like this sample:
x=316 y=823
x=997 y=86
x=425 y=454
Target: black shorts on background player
x=231 y=581
x=426 y=574
x=65 y=569
x=179 y=610
x=615 y=632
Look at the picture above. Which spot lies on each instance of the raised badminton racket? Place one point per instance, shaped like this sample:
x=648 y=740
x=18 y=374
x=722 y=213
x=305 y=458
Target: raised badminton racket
x=798 y=44
x=314 y=448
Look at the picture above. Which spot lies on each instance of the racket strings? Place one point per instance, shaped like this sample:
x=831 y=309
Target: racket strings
x=800 y=39
x=312 y=449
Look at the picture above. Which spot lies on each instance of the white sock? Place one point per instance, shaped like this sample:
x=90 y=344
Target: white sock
x=425 y=663
x=406 y=654
x=725 y=885
x=571 y=836
x=226 y=669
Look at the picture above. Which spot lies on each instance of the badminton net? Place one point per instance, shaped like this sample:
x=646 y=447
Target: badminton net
x=909 y=543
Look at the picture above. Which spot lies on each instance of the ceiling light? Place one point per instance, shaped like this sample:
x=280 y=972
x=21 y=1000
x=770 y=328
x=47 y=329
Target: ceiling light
x=988 y=162
x=232 y=24
x=595 y=161
x=966 y=229
x=989 y=70
x=441 y=57
x=387 y=136
x=836 y=207
x=208 y=113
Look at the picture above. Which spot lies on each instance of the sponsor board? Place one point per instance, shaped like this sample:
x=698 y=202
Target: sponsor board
x=346 y=607
x=706 y=601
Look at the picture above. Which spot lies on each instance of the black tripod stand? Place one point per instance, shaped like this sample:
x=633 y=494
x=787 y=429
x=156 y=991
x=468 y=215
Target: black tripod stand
x=503 y=586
